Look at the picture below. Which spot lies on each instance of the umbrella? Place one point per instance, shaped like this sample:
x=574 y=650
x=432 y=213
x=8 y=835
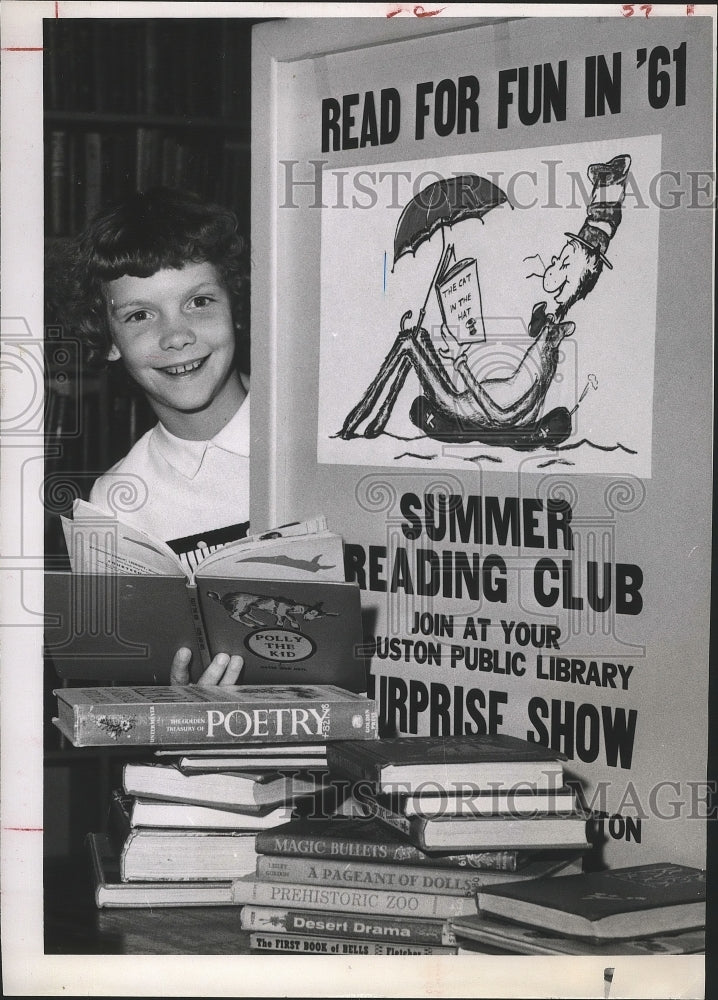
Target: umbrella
x=444 y=203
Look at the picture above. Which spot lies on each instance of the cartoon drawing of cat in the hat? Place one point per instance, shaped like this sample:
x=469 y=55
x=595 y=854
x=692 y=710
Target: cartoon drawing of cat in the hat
x=503 y=411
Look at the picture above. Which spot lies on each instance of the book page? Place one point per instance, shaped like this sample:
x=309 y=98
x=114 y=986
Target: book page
x=318 y=556
x=98 y=543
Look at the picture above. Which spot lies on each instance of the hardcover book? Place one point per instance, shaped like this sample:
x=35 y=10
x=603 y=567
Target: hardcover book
x=456 y=764
x=156 y=855
x=288 y=632
x=458 y=291
x=377 y=927
x=416 y=878
x=367 y=839
x=111 y=891
x=490 y=833
x=508 y=803
x=305 y=944
x=630 y=902
x=247 y=758
x=392 y=902
x=185 y=816
x=188 y=714
x=240 y=791
x=480 y=932
x=278 y=598
x=298 y=632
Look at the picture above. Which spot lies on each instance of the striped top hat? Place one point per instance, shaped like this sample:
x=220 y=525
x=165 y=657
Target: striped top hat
x=603 y=214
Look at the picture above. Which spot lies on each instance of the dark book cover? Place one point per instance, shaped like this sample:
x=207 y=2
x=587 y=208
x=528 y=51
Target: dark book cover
x=479 y=932
x=127 y=629
x=449 y=763
x=109 y=628
x=630 y=902
x=358 y=839
x=288 y=631
x=543 y=832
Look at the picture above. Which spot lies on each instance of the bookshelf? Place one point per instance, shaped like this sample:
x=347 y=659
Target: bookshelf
x=130 y=103
x=133 y=103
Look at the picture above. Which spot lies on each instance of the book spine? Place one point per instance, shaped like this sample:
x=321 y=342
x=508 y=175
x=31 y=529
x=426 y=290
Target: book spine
x=384 y=901
x=344 y=764
x=519 y=833
x=401 y=877
x=119 y=826
x=274 y=919
x=93 y=175
x=124 y=851
x=411 y=826
x=305 y=944
x=145 y=141
x=98 y=876
x=148 y=101
x=198 y=625
x=187 y=723
x=58 y=182
x=499 y=805
x=385 y=852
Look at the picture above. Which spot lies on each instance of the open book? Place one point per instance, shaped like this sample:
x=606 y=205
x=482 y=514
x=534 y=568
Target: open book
x=101 y=543
x=277 y=598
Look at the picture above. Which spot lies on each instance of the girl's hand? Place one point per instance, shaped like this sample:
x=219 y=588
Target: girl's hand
x=223 y=670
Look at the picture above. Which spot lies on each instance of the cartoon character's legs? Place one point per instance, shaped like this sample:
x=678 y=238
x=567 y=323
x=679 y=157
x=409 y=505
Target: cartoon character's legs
x=409 y=350
x=377 y=425
x=393 y=371
x=287 y=622
x=521 y=393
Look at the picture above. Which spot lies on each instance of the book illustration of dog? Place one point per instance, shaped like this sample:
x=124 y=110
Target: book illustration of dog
x=262 y=610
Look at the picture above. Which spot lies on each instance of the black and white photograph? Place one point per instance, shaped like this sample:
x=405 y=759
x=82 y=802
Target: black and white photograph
x=398 y=683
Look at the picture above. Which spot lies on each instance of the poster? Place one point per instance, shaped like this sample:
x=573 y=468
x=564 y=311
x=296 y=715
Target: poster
x=605 y=371
x=494 y=434
x=645 y=488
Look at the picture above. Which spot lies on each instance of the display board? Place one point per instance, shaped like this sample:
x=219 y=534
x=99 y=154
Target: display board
x=483 y=348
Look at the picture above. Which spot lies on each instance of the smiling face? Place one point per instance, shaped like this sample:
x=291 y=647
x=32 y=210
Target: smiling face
x=562 y=276
x=175 y=335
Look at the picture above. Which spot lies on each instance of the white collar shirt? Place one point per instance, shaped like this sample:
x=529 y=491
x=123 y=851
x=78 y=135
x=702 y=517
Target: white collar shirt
x=172 y=488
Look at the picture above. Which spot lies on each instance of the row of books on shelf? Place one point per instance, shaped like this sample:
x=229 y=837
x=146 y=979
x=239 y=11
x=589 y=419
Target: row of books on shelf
x=147 y=66
x=85 y=169
x=319 y=865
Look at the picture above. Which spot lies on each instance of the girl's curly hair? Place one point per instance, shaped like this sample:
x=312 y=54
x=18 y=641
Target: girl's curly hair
x=151 y=230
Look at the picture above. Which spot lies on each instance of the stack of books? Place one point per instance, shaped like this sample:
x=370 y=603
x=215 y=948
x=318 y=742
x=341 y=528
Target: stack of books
x=440 y=824
x=466 y=793
x=651 y=909
x=352 y=885
x=189 y=827
x=175 y=829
